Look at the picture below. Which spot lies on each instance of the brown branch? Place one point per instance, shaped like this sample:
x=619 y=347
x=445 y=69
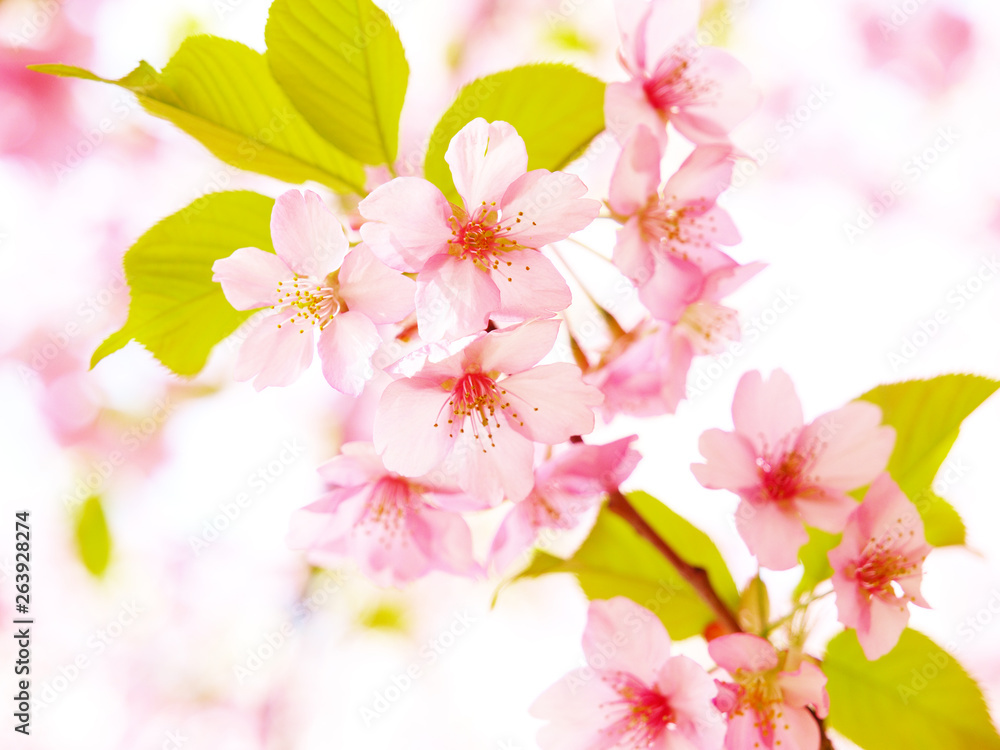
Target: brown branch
x=696 y=577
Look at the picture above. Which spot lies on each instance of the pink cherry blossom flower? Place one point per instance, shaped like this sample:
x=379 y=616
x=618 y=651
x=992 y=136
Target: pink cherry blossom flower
x=703 y=91
x=566 y=487
x=768 y=704
x=877 y=567
x=396 y=528
x=632 y=694
x=311 y=282
x=789 y=474
x=481 y=411
x=481 y=259
x=669 y=242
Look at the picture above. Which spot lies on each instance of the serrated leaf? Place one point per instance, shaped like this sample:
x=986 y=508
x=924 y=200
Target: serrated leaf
x=555 y=108
x=615 y=561
x=177 y=311
x=915 y=697
x=222 y=93
x=927 y=415
x=342 y=65
x=93 y=540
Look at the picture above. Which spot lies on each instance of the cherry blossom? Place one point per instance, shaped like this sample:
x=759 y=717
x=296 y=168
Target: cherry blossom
x=669 y=242
x=703 y=91
x=481 y=259
x=566 y=487
x=632 y=694
x=311 y=282
x=877 y=567
x=768 y=703
x=482 y=409
x=789 y=474
x=396 y=528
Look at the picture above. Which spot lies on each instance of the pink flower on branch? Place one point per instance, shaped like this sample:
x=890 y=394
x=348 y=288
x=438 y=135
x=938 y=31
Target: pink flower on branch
x=669 y=242
x=632 y=695
x=789 y=474
x=481 y=259
x=311 y=282
x=877 y=568
x=566 y=487
x=703 y=91
x=396 y=528
x=768 y=704
x=483 y=409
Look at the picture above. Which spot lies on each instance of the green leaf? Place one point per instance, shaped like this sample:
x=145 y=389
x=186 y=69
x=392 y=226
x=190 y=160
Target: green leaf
x=93 y=540
x=615 y=561
x=177 y=311
x=555 y=108
x=813 y=557
x=342 y=65
x=222 y=93
x=915 y=697
x=927 y=415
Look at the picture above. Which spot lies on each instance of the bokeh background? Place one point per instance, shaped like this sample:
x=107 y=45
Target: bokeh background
x=871 y=191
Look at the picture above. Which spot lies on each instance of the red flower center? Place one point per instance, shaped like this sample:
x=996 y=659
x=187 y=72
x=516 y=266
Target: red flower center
x=641 y=714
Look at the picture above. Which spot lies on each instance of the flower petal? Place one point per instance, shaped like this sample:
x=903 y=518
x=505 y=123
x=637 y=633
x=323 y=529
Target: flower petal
x=552 y=403
x=346 y=347
x=404 y=431
x=514 y=349
x=454 y=298
x=622 y=636
x=306 y=234
x=730 y=461
x=855 y=445
x=530 y=286
x=626 y=108
x=408 y=222
x=637 y=173
x=766 y=412
x=485 y=158
x=369 y=286
x=772 y=532
x=250 y=277
x=275 y=352
x=743 y=651
x=542 y=207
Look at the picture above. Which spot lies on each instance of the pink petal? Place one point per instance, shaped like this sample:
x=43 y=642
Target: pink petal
x=772 y=533
x=491 y=469
x=602 y=465
x=633 y=254
x=346 y=347
x=825 y=509
x=802 y=732
x=674 y=285
x=408 y=222
x=730 y=98
x=805 y=687
x=530 y=286
x=449 y=541
x=737 y=651
x=552 y=402
x=485 y=158
x=626 y=108
x=328 y=522
x=888 y=621
x=272 y=355
x=744 y=732
x=887 y=512
x=357 y=464
x=514 y=349
x=404 y=431
x=622 y=636
x=572 y=705
x=306 y=235
x=691 y=690
x=549 y=205
x=855 y=446
x=632 y=16
x=766 y=412
x=515 y=536
x=852 y=605
x=730 y=462
x=670 y=23
x=368 y=286
x=637 y=174
x=703 y=175
x=454 y=298
x=250 y=277
x=723 y=283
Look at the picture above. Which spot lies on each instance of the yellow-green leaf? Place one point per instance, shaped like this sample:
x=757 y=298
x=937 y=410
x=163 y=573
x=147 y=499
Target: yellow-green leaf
x=915 y=697
x=342 y=65
x=93 y=540
x=177 y=311
x=615 y=561
x=927 y=415
x=555 y=108
x=222 y=93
